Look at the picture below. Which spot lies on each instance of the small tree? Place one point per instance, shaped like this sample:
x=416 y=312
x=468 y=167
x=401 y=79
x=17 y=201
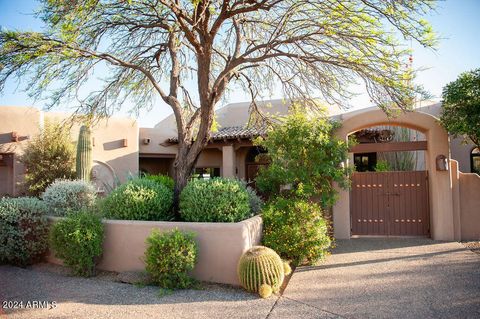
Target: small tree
x=303 y=154
x=49 y=156
x=461 y=106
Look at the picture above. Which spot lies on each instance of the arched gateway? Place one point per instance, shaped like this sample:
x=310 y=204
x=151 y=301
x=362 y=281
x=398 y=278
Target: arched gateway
x=439 y=202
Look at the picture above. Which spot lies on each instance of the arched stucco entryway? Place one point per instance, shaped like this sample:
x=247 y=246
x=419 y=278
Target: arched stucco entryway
x=440 y=184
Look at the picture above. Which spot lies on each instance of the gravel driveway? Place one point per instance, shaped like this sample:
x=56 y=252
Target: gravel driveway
x=364 y=278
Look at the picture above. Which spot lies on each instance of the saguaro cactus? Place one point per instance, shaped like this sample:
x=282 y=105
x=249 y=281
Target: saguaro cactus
x=84 y=154
x=260 y=266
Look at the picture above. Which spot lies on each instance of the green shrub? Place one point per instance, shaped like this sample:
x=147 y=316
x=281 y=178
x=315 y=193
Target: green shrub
x=255 y=202
x=66 y=195
x=382 y=166
x=47 y=157
x=23 y=230
x=139 y=199
x=162 y=179
x=214 y=200
x=170 y=257
x=296 y=230
x=77 y=240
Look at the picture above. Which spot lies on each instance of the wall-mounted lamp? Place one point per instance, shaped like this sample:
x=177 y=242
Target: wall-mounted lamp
x=146 y=141
x=125 y=142
x=14 y=136
x=442 y=163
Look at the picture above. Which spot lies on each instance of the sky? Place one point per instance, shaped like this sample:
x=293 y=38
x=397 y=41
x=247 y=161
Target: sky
x=455 y=21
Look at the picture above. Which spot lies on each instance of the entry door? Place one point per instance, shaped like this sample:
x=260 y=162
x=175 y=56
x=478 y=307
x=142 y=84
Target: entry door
x=390 y=204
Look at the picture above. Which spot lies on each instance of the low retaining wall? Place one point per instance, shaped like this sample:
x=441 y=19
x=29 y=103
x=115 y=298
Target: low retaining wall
x=220 y=245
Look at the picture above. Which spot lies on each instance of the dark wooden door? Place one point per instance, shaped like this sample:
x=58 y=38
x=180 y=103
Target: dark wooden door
x=390 y=204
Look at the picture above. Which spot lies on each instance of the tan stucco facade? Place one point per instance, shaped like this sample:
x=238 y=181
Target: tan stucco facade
x=115 y=145
x=466 y=203
x=24 y=122
x=220 y=246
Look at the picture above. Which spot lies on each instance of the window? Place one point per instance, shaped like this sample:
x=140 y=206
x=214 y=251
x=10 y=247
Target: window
x=365 y=162
x=475 y=160
x=206 y=172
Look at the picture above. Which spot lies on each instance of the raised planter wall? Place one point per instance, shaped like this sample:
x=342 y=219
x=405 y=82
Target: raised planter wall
x=220 y=245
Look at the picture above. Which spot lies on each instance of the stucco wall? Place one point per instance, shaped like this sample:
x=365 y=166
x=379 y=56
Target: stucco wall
x=108 y=146
x=220 y=246
x=470 y=206
x=26 y=122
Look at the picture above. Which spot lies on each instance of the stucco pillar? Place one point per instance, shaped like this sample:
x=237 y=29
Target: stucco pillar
x=456 y=199
x=341 y=214
x=228 y=161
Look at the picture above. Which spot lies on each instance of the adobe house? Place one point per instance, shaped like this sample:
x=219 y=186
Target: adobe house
x=437 y=196
x=434 y=197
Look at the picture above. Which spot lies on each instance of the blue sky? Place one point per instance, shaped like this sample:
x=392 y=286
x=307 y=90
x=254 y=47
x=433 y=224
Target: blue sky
x=456 y=22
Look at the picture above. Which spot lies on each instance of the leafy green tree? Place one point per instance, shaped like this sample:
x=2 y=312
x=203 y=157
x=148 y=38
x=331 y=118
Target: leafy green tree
x=304 y=155
x=49 y=156
x=461 y=106
x=153 y=48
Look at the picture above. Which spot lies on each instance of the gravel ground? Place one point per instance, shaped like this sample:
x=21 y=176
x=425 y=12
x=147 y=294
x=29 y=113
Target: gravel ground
x=363 y=278
x=392 y=278
x=473 y=246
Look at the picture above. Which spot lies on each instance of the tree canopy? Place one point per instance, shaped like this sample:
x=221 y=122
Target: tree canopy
x=148 y=48
x=461 y=106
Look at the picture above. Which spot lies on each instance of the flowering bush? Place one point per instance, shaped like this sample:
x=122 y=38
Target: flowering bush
x=67 y=195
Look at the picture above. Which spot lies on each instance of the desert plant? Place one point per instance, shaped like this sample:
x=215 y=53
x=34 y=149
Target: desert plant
x=170 y=257
x=296 y=229
x=84 y=154
x=265 y=291
x=49 y=156
x=162 y=179
x=382 y=166
x=69 y=195
x=214 y=200
x=260 y=266
x=139 y=199
x=77 y=240
x=23 y=230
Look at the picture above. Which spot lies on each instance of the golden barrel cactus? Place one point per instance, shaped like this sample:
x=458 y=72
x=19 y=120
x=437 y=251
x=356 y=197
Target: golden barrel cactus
x=260 y=266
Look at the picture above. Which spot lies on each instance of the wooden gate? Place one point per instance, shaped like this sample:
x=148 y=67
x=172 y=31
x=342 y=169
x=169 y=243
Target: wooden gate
x=390 y=204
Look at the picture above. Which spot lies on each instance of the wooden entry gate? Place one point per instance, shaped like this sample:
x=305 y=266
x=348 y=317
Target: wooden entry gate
x=390 y=204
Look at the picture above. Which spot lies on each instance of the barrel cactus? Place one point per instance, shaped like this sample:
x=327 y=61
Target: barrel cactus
x=84 y=154
x=260 y=266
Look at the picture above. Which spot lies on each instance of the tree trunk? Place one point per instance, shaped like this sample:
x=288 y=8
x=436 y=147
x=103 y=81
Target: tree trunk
x=183 y=166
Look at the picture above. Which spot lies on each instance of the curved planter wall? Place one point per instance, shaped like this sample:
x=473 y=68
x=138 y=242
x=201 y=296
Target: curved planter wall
x=220 y=245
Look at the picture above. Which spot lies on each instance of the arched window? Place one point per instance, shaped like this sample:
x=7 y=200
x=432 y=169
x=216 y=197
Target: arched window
x=475 y=160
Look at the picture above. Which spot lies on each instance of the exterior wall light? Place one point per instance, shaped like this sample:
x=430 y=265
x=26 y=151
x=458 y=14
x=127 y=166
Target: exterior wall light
x=442 y=163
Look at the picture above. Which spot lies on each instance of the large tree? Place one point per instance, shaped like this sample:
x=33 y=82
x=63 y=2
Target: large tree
x=148 y=48
x=461 y=106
